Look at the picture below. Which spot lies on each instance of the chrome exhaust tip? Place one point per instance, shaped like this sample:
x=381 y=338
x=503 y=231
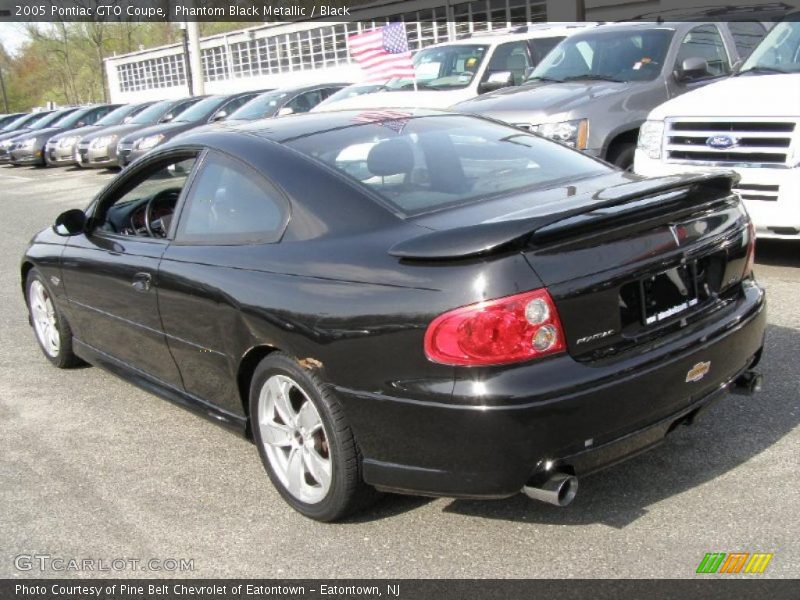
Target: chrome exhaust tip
x=559 y=489
x=748 y=383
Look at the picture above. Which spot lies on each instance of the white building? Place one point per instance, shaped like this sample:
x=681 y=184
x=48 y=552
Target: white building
x=295 y=53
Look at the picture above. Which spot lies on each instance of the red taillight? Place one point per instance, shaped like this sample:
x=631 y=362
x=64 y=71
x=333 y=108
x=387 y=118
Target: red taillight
x=751 y=251
x=510 y=329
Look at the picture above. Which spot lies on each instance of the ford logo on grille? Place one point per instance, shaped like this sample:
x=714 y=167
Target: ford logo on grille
x=722 y=142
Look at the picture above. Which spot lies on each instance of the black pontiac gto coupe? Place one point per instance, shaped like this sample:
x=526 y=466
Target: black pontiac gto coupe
x=415 y=301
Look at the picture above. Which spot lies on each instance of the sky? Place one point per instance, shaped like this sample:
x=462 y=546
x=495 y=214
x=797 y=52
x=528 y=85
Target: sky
x=12 y=35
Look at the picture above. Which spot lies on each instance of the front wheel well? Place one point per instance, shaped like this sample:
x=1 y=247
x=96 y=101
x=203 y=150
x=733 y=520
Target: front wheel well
x=26 y=268
x=630 y=136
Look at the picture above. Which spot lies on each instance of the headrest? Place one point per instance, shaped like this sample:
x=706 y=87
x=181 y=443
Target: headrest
x=390 y=157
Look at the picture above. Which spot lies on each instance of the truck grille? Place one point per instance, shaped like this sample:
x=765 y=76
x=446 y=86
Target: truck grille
x=749 y=191
x=744 y=141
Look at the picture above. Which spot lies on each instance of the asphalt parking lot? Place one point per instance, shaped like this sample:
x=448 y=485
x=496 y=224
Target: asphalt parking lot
x=92 y=467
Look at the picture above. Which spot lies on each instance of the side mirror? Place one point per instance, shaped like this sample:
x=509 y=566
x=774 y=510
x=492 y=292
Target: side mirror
x=80 y=124
x=70 y=222
x=693 y=68
x=286 y=110
x=496 y=80
x=167 y=117
x=220 y=115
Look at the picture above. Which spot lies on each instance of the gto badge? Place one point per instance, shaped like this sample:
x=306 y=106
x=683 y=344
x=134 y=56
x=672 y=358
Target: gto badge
x=697 y=372
x=722 y=142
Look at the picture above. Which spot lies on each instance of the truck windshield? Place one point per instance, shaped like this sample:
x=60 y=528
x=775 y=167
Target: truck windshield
x=443 y=68
x=779 y=52
x=635 y=55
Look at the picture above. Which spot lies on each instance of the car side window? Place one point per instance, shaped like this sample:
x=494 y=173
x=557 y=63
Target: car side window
x=512 y=57
x=235 y=103
x=305 y=102
x=229 y=203
x=746 y=35
x=705 y=42
x=145 y=203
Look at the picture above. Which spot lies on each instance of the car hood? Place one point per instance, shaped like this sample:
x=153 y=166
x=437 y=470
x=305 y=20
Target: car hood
x=12 y=134
x=47 y=132
x=166 y=129
x=744 y=96
x=78 y=131
x=543 y=98
x=421 y=99
x=118 y=130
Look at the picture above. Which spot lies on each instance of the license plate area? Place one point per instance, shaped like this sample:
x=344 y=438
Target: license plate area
x=659 y=298
x=669 y=293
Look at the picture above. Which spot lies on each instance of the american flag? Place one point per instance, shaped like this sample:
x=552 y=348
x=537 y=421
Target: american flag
x=396 y=120
x=383 y=53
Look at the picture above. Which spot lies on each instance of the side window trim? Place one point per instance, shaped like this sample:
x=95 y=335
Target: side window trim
x=188 y=190
x=119 y=186
x=725 y=48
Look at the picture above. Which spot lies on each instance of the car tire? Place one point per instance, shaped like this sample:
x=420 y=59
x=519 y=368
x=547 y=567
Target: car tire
x=51 y=329
x=622 y=156
x=305 y=443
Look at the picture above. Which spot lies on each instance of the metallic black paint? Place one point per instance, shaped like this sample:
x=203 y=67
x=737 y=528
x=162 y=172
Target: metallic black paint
x=330 y=291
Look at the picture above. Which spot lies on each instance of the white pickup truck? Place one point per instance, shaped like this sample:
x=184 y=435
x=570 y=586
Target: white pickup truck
x=748 y=123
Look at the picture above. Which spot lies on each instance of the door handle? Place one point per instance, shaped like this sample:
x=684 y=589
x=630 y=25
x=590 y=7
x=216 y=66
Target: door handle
x=141 y=282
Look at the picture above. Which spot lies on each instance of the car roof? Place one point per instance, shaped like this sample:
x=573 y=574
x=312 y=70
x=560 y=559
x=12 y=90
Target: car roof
x=304 y=124
x=531 y=32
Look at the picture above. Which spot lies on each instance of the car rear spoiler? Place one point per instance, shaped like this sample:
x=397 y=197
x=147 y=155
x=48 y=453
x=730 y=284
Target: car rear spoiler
x=493 y=236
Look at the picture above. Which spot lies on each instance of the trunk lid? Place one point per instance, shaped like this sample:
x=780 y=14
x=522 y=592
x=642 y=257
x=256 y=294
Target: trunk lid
x=634 y=273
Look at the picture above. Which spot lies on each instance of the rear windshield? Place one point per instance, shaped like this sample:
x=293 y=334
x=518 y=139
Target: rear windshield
x=420 y=164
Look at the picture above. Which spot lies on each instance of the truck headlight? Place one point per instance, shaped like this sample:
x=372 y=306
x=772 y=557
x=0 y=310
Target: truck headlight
x=149 y=142
x=651 y=136
x=572 y=133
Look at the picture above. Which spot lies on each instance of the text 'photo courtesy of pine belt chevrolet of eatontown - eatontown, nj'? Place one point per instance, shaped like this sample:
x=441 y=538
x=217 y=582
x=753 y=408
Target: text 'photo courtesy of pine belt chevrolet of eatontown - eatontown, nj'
x=498 y=297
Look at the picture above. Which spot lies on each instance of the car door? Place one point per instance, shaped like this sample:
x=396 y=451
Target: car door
x=707 y=42
x=110 y=273
x=229 y=218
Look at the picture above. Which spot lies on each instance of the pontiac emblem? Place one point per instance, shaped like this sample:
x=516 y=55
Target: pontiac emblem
x=697 y=372
x=722 y=142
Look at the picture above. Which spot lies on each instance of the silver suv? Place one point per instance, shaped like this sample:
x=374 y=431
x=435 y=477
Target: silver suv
x=595 y=89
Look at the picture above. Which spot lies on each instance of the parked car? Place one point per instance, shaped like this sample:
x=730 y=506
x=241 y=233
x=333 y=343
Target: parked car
x=30 y=149
x=454 y=71
x=430 y=303
x=9 y=118
x=99 y=149
x=594 y=91
x=62 y=149
x=351 y=91
x=20 y=126
x=749 y=123
x=208 y=110
x=25 y=140
x=285 y=101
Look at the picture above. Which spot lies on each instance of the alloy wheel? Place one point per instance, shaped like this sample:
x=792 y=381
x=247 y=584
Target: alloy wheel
x=295 y=440
x=44 y=319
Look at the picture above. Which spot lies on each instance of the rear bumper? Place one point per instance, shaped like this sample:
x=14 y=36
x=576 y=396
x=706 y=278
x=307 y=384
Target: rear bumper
x=771 y=195
x=573 y=416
